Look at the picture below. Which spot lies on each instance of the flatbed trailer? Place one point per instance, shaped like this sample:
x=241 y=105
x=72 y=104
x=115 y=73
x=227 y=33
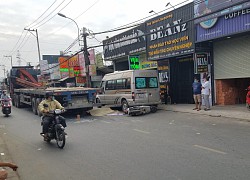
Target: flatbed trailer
x=79 y=99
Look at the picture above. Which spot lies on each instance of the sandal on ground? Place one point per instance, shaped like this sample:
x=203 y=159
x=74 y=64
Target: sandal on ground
x=195 y=108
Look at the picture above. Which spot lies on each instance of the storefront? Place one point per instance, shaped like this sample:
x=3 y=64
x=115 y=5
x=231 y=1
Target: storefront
x=170 y=42
x=229 y=34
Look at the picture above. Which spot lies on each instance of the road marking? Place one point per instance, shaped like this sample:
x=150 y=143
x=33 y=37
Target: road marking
x=145 y=132
x=210 y=149
x=213 y=124
x=106 y=122
x=198 y=133
x=172 y=122
x=2 y=154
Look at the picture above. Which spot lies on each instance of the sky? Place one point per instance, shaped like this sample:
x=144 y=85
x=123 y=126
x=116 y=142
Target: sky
x=56 y=33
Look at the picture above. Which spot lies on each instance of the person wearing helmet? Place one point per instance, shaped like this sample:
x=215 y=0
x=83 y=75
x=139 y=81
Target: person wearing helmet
x=4 y=95
x=47 y=105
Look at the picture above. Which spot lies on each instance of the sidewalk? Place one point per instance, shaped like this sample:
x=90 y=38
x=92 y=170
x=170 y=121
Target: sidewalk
x=239 y=112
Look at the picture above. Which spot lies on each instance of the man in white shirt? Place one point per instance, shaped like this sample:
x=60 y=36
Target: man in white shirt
x=206 y=93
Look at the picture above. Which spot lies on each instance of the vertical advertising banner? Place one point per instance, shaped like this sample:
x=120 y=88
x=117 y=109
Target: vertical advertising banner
x=92 y=70
x=92 y=56
x=63 y=66
x=201 y=63
x=82 y=64
x=134 y=62
x=54 y=71
x=44 y=67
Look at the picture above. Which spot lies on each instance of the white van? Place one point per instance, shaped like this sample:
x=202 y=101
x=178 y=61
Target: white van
x=123 y=89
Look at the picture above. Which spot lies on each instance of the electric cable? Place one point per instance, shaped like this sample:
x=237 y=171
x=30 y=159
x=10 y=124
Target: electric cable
x=40 y=23
x=41 y=14
x=186 y=21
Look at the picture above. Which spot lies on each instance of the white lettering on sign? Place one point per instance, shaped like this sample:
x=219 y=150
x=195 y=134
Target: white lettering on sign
x=237 y=13
x=161 y=31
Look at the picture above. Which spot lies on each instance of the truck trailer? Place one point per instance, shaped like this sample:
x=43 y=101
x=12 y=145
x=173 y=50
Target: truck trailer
x=25 y=90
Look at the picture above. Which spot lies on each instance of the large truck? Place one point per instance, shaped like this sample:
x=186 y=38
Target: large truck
x=25 y=90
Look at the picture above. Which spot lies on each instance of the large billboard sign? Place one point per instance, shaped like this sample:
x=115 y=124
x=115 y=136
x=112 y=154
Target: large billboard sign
x=212 y=9
x=229 y=24
x=129 y=42
x=171 y=34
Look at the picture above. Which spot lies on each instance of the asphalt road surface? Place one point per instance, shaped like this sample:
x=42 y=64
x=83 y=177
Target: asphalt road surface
x=159 y=146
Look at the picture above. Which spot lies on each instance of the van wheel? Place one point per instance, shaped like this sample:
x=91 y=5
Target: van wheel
x=124 y=106
x=153 y=109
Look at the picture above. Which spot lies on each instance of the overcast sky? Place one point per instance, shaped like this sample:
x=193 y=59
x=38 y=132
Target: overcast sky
x=56 y=33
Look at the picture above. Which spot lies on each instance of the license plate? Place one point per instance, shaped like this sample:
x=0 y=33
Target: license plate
x=141 y=95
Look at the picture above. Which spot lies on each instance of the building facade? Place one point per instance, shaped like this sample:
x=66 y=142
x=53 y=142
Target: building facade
x=227 y=28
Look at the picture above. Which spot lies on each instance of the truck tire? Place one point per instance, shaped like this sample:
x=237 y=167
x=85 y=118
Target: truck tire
x=38 y=100
x=34 y=108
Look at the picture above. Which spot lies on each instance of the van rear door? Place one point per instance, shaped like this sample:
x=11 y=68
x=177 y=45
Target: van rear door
x=146 y=90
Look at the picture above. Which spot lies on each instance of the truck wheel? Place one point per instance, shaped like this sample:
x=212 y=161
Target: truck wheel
x=34 y=108
x=124 y=106
x=38 y=100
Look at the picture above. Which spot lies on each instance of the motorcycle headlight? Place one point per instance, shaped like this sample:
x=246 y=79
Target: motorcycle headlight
x=58 y=111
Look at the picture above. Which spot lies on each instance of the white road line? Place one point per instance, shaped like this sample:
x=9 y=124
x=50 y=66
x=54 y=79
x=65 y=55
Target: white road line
x=141 y=131
x=106 y=122
x=210 y=149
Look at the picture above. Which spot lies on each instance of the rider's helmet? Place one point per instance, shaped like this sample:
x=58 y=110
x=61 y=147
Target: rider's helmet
x=48 y=94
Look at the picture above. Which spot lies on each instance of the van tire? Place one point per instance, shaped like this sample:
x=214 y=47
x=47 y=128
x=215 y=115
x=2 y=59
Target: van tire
x=153 y=109
x=124 y=106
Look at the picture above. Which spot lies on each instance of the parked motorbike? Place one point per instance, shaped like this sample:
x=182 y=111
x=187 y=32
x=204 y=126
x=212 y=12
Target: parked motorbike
x=248 y=98
x=56 y=129
x=6 y=106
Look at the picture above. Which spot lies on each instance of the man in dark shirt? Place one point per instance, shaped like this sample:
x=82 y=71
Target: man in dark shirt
x=197 y=93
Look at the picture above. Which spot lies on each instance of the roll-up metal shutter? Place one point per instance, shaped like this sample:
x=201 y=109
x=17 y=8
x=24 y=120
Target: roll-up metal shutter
x=232 y=58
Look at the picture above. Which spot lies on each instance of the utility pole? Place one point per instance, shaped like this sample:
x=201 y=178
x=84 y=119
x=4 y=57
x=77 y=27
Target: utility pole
x=38 y=47
x=10 y=60
x=86 y=56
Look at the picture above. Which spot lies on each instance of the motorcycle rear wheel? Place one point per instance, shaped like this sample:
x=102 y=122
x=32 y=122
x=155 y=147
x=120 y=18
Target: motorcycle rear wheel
x=60 y=140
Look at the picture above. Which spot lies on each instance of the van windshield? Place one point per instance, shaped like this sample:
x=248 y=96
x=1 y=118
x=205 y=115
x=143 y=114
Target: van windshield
x=146 y=82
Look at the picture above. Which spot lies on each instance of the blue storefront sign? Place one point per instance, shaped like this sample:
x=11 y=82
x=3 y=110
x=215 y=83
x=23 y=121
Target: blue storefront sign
x=228 y=24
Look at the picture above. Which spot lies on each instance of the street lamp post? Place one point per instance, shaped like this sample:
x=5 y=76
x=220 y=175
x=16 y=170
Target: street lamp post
x=85 y=49
x=10 y=60
x=62 y=15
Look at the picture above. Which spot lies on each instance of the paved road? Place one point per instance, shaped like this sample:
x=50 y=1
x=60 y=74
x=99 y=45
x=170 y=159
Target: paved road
x=164 y=145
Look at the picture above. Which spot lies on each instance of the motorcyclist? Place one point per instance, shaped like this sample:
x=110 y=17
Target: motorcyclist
x=4 y=95
x=52 y=104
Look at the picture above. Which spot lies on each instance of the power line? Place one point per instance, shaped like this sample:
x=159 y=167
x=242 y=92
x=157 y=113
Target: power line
x=41 y=14
x=73 y=19
x=133 y=25
x=186 y=21
x=54 y=15
x=16 y=43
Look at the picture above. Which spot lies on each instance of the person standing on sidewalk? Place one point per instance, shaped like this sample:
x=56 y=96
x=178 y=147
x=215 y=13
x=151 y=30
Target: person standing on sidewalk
x=197 y=87
x=206 y=93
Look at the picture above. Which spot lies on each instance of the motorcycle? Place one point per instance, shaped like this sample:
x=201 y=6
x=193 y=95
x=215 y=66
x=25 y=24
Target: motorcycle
x=6 y=106
x=56 y=129
x=248 y=98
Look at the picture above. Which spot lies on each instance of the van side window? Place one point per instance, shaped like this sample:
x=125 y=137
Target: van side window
x=128 y=83
x=110 y=85
x=120 y=83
